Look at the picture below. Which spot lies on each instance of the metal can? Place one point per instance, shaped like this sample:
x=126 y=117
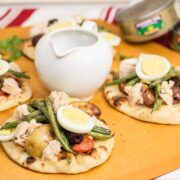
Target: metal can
x=174 y=42
x=147 y=20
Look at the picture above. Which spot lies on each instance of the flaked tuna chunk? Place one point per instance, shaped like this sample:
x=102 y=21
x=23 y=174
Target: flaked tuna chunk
x=167 y=92
x=52 y=149
x=21 y=111
x=134 y=93
x=11 y=86
x=59 y=99
x=24 y=130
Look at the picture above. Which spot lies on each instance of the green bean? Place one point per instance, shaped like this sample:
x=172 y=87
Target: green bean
x=157 y=104
x=10 y=125
x=57 y=129
x=41 y=119
x=158 y=101
x=19 y=74
x=13 y=124
x=133 y=81
x=101 y=130
x=170 y=74
x=30 y=109
x=100 y=136
x=41 y=106
x=32 y=115
x=118 y=81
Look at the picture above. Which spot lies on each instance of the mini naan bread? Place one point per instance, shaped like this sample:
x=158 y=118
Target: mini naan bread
x=165 y=115
x=8 y=102
x=61 y=164
x=28 y=49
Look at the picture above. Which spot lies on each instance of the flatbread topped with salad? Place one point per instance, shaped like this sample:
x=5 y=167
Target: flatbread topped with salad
x=38 y=30
x=35 y=34
x=146 y=88
x=13 y=86
x=57 y=134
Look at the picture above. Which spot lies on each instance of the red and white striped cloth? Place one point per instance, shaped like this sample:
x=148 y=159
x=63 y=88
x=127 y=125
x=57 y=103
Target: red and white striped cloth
x=19 y=16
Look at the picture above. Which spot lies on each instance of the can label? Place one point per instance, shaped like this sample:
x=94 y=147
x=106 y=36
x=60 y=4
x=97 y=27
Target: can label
x=150 y=26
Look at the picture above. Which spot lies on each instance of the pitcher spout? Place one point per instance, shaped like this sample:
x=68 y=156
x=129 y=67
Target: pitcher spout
x=67 y=41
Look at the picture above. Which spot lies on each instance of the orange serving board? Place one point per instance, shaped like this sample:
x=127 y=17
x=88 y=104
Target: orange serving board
x=142 y=150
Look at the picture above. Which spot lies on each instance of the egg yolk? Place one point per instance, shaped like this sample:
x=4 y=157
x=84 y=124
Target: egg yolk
x=75 y=115
x=153 y=66
x=108 y=36
x=61 y=25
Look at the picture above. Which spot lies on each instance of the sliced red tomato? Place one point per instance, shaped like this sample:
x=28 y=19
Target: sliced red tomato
x=2 y=93
x=86 y=145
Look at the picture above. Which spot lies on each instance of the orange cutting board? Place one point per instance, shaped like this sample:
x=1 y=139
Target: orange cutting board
x=142 y=150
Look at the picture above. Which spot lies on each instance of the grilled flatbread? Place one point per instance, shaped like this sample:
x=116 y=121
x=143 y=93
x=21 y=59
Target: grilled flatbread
x=8 y=102
x=63 y=162
x=78 y=164
x=165 y=115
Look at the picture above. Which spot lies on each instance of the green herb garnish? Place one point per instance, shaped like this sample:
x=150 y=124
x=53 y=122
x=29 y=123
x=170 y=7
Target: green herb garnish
x=69 y=160
x=11 y=47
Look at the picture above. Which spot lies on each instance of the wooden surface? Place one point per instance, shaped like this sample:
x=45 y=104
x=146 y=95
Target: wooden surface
x=142 y=150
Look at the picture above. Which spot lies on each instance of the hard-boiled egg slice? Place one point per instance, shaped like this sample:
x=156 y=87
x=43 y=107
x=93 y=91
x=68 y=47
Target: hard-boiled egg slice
x=62 y=24
x=112 y=39
x=4 y=67
x=6 y=134
x=74 y=119
x=152 y=67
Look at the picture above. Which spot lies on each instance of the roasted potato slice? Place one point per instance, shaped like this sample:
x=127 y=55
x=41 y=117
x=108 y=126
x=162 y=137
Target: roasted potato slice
x=38 y=140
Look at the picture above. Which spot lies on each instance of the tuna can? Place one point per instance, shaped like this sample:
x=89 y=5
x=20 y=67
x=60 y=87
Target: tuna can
x=147 y=20
x=175 y=37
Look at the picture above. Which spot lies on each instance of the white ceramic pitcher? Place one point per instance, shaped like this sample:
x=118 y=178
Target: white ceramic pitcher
x=73 y=60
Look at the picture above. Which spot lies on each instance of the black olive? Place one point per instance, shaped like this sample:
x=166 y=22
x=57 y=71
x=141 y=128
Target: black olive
x=35 y=39
x=52 y=21
x=176 y=81
x=74 y=138
x=1 y=83
x=176 y=94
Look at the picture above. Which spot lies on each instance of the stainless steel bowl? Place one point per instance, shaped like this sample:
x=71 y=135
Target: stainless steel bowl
x=147 y=20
